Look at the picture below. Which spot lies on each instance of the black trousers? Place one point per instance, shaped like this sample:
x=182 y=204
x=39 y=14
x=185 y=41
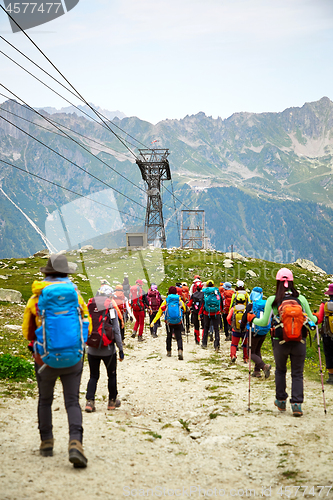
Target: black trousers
x=328 y=351
x=296 y=351
x=177 y=330
x=215 y=322
x=225 y=324
x=111 y=368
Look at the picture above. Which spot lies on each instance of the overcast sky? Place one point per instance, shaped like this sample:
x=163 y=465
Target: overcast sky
x=171 y=58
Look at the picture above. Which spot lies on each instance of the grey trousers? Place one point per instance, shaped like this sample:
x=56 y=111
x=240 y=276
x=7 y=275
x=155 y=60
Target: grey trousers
x=297 y=352
x=70 y=379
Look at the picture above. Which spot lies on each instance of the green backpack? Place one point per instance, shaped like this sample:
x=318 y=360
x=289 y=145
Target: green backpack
x=328 y=318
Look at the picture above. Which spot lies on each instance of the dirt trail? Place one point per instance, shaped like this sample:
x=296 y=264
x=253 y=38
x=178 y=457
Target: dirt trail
x=142 y=449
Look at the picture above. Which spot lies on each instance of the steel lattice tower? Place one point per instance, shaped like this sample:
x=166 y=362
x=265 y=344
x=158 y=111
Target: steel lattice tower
x=192 y=229
x=154 y=168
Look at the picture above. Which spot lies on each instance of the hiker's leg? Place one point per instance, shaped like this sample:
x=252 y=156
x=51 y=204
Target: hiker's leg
x=225 y=325
x=45 y=381
x=234 y=344
x=169 y=329
x=281 y=353
x=111 y=368
x=256 y=343
x=187 y=318
x=245 y=346
x=137 y=321
x=141 y=322
x=151 y=317
x=216 y=322
x=94 y=363
x=328 y=351
x=178 y=334
x=206 y=322
x=297 y=358
x=70 y=379
x=196 y=327
x=122 y=330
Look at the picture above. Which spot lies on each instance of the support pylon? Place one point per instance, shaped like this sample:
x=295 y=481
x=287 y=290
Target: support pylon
x=154 y=168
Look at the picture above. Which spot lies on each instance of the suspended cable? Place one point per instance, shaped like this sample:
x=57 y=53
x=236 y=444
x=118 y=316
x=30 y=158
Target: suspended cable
x=174 y=203
x=67 y=189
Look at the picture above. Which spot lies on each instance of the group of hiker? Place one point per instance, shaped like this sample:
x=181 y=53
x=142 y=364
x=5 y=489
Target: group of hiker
x=59 y=325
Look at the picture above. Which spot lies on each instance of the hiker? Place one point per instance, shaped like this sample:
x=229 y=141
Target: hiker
x=289 y=338
x=174 y=308
x=185 y=298
x=139 y=303
x=240 y=287
x=101 y=347
x=121 y=300
x=258 y=333
x=65 y=331
x=227 y=295
x=126 y=287
x=234 y=319
x=195 y=304
x=154 y=300
x=325 y=318
x=211 y=309
x=193 y=287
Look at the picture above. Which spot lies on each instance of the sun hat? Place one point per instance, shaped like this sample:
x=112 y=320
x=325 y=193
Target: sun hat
x=184 y=284
x=139 y=282
x=330 y=289
x=256 y=294
x=119 y=287
x=105 y=290
x=227 y=285
x=285 y=275
x=58 y=264
x=172 y=290
x=196 y=277
x=153 y=286
x=240 y=283
x=210 y=283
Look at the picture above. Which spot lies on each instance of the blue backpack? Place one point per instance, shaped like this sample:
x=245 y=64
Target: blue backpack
x=61 y=338
x=212 y=299
x=173 y=311
x=258 y=307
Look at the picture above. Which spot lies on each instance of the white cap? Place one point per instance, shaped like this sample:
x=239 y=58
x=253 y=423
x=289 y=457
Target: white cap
x=240 y=283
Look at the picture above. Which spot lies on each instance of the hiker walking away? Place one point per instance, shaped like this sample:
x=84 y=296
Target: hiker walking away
x=123 y=305
x=101 y=347
x=139 y=302
x=258 y=332
x=174 y=308
x=325 y=317
x=290 y=311
x=185 y=295
x=195 y=304
x=238 y=332
x=154 y=301
x=56 y=319
x=227 y=295
x=126 y=287
x=193 y=287
x=211 y=310
x=240 y=287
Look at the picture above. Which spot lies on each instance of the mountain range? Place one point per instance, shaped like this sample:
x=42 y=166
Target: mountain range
x=264 y=180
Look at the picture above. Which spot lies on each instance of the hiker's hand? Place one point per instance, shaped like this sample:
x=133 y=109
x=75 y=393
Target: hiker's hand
x=250 y=317
x=121 y=355
x=131 y=319
x=151 y=325
x=122 y=324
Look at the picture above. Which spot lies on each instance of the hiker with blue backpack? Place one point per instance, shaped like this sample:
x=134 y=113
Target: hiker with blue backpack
x=56 y=319
x=257 y=306
x=291 y=312
x=211 y=310
x=195 y=304
x=173 y=308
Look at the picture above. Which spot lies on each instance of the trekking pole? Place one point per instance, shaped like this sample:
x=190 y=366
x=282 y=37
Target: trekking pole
x=321 y=370
x=250 y=345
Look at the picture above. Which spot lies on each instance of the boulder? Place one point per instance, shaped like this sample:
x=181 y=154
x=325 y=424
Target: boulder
x=235 y=256
x=87 y=247
x=20 y=262
x=228 y=263
x=7 y=295
x=309 y=266
x=251 y=273
x=42 y=253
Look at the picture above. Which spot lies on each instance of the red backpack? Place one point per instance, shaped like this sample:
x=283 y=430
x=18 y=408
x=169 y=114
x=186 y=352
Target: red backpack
x=227 y=296
x=292 y=319
x=154 y=299
x=102 y=333
x=136 y=298
x=119 y=298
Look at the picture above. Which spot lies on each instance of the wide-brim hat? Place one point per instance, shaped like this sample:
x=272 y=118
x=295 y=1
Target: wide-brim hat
x=58 y=264
x=330 y=290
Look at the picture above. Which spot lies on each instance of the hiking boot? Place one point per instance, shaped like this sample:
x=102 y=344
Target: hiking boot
x=46 y=448
x=76 y=454
x=197 y=342
x=169 y=354
x=140 y=338
x=227 y=338
x=180 y=355
x=217 y=349
x=330 y=379
x=188 y=330
x=113 y=404
x=90 y=406
x=154 y=335
x=211 y=337
x=245 y=361
x=203 y=346
x=280 y=404
x=296 y=408
x=256 y=374
x=233 y=359
x=133 y=335
x=267 y=370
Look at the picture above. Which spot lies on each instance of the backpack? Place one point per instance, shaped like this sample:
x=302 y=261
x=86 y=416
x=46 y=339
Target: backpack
x=173 y=311
x=197 y=299
x=237 y=317
x=227 y=296
x=212 y=300
x=258 y=307
x=154 y=299
x=185 y=294
x=328 y=318
x=136 y=298
x=102 y=333
x=291 y=319
x=61 y=337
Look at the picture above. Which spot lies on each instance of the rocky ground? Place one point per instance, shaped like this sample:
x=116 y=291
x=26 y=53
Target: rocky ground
x=182 y=430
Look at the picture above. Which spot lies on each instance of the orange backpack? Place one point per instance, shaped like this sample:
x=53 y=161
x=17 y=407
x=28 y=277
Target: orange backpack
x=292 y=319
